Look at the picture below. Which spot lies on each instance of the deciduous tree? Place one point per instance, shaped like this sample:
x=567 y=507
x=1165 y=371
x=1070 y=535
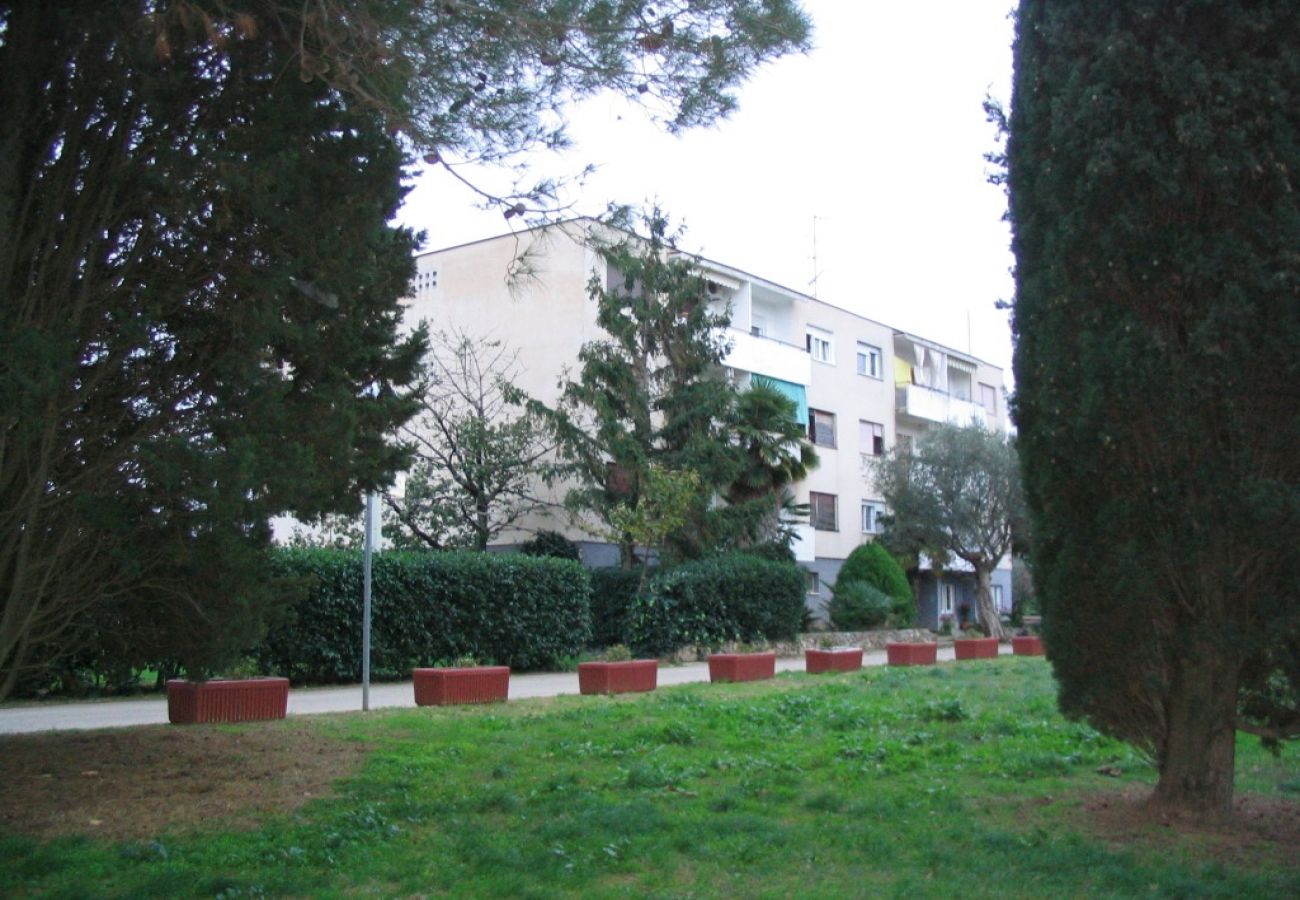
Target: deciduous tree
x=478 y=456
x=1152 y=172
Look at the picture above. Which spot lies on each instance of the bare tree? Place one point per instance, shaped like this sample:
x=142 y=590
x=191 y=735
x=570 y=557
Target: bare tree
x=479 y=453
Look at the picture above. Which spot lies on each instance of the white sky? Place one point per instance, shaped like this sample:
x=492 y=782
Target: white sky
x=878 y=132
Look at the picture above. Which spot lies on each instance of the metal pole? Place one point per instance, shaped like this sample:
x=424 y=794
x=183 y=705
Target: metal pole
x=365 y=601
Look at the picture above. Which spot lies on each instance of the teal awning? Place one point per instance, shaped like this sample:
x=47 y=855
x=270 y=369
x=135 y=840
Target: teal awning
x=796 y=392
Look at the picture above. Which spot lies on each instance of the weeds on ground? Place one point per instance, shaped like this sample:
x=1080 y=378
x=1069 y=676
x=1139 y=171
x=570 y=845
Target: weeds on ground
x=890 y=782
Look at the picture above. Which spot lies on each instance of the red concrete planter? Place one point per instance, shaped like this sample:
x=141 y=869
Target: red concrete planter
x=835 y=659
x=976 y=648
x=241 y=700
x=741 y=666
x=1027 y=645
x=447 y=686
x=621 y=677
x=900 y=654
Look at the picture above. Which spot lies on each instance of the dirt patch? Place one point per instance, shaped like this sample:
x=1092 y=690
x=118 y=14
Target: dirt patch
x=1264 y=830
x=139 y=782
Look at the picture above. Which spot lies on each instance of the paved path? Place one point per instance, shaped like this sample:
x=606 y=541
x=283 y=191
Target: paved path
x=308 y=701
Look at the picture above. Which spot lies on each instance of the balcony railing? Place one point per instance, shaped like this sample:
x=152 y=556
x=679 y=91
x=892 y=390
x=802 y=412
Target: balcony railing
x=768 y=356
x=933 y=405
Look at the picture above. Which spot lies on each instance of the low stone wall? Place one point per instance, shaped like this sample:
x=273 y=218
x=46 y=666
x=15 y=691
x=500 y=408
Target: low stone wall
x=867 y=640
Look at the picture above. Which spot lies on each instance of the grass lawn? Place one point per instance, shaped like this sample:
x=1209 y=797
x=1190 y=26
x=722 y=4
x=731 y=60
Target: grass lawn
x=921 y=782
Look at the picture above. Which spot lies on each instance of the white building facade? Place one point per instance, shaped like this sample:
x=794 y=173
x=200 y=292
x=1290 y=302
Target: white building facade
x=861 y=386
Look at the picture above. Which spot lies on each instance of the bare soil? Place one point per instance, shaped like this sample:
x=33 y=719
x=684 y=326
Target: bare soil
x=1261 y=830
x=138 y=782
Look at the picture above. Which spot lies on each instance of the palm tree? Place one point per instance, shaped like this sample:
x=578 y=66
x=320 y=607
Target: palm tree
x=776 y=454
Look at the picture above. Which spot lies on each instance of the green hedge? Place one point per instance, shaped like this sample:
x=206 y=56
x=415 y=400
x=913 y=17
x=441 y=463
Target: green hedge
x=871 y=564
x=857 y=606
x=612 y=593
x=524 y=612
x=734 y=597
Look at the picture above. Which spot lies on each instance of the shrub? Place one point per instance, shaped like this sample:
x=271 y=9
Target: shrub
x=510 y=610
x=857 y=606
x=612 y=593
x=873 y=565
x=734 y=597
x=773 y=550
x=551 y=543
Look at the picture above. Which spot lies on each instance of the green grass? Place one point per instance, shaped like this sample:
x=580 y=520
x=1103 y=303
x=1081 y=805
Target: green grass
x=921 y=782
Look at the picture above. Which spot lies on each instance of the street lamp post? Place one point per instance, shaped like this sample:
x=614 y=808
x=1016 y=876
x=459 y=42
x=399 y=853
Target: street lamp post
x=365 y=601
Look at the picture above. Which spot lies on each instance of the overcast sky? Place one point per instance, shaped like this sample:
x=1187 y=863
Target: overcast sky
x=878 y=134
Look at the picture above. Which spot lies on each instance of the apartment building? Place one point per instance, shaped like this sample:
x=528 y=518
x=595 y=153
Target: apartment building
x=861 y=385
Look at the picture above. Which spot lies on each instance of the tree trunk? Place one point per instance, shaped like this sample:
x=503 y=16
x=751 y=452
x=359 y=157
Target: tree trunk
x=1197 y=758
x=988 y=616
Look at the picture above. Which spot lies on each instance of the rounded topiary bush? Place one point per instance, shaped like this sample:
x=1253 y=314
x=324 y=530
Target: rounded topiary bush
x=871 y=564
x=857 y=606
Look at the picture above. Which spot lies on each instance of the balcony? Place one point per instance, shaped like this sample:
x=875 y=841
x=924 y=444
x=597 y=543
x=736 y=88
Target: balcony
x=767 y=356
x=930 y=405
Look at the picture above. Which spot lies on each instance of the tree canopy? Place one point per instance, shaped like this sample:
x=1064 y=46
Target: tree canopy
x=478 y=451
x=1152 y=160
x=956 y=493
x=199 y=320
x=654 y=394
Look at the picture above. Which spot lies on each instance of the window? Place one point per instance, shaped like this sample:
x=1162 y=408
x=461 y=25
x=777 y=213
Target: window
x=821 y=428
x=947 y=598
x=989 y=398
x=758 y=326
x=871 y=438
x=872 y=510
x=819 y=345
x=813 y=583
x=822 y=507
x=997 y=597
x=869 y=360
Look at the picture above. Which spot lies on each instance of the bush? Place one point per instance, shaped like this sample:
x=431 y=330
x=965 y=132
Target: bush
x=553 y=544
x=872 y=564
x=513 y=610
x=857 y=606
x=734 y=597
x=612 y=593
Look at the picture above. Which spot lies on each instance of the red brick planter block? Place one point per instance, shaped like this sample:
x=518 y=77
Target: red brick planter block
x=1027 y=645
x=447 y=686
x=835 y=659
x=241 y=700
x=622 y=677
x=901 y=654
x=976 y=648
x=741 y=666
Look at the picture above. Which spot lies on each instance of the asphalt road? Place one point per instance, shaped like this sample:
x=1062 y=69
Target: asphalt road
x=120 y=713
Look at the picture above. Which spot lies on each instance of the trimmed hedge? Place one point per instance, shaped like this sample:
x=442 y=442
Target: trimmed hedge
x=520 y=611
x=733 y=597
x=612 y=593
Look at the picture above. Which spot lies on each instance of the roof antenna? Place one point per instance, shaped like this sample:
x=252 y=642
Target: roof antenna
x=816 y=271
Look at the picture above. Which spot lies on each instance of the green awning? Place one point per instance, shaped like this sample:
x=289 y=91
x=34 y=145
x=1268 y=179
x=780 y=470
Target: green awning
x=796 y=392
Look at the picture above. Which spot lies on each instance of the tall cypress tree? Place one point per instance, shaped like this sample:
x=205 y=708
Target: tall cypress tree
x=1153 y=160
